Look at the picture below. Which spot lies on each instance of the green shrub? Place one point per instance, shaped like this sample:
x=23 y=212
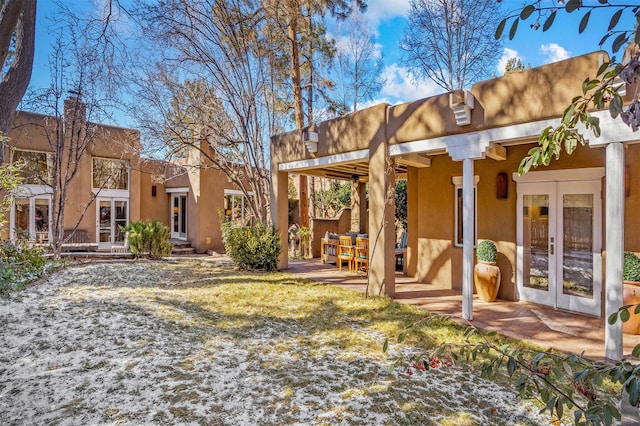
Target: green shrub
x=150 y=238
x=21 y=264
x=252 y=248
x=486 y=251
x=631 y=267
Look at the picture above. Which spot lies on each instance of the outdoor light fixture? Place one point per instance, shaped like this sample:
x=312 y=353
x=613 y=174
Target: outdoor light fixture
x=461 y=103
x=627 y=181
x=310 y=140
x=355 y=177
x=153 y=190
x=502 y=185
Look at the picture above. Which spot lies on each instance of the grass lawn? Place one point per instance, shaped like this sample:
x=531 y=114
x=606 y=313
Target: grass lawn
x=191 y=342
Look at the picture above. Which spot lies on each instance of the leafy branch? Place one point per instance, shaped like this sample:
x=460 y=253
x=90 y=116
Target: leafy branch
x=597 y=92
x=549 y=13
x=559 y=382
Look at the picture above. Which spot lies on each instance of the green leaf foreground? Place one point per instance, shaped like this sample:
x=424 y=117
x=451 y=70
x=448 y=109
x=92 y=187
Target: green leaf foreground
x=598 y=93
x=560 y=383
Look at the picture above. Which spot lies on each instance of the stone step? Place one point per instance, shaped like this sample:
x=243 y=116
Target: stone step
x=179 y=243
x=183 y=251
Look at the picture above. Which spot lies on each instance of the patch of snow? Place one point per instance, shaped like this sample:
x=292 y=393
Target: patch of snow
x=119 y=343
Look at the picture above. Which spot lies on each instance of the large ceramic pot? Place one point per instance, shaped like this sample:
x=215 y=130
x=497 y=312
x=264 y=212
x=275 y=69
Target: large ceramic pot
x=486 y=276
x=631 y=296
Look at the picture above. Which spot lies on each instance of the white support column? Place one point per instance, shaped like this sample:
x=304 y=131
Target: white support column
x=468 y=232
x=615 y=247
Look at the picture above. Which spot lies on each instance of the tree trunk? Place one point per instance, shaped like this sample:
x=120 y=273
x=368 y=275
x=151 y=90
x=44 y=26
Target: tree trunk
x=16 y=80
x=294 y=14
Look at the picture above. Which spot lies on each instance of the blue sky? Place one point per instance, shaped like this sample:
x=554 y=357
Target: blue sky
x=533 y=47
x=387 y=20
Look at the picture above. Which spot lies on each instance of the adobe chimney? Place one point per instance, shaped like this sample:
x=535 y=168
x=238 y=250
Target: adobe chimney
x=75 y=112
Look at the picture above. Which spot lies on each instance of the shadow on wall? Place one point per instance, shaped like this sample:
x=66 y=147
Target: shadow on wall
x=430 y=273
x=507 y=282
x=338 y=225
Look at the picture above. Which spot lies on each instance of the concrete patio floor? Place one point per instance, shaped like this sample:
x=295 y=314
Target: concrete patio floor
x=542 y=325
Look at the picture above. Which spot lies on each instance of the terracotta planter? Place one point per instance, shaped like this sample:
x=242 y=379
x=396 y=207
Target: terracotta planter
x=486 y=276
x=631 y=296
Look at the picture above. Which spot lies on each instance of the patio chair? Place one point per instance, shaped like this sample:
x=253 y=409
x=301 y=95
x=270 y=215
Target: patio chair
x=121 y=248
x=345 y=252
x=362 y=254
x=401 y=249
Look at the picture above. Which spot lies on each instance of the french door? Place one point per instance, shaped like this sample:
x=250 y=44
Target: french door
x=31 y=218
x=111 y=215
x=559 y=241
x=179 y=216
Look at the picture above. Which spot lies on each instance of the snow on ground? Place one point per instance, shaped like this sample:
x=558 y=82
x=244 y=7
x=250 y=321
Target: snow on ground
x=119 y=343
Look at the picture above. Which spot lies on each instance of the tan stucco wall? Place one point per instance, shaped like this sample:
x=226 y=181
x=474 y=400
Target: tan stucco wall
x=28 y=132
x=527 y=97
x=440 y=261
x=632 y=202
x=532 y=95
x=345 y=134
x=152 y=207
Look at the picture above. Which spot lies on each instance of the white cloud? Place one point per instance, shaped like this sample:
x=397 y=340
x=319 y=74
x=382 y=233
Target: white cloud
x=553 y=52
x=506 y=55
x=381 y=10
x=401 y=87
x=345 y=45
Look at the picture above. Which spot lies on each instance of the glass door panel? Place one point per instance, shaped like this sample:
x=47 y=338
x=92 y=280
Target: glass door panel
x=176 y=215
x=179 y=216
x=536 y=227
x=120 y=220
x=23 y=211
x=577 y=264
x=579 y=269
x=559 y=243
x=535 y=222
x=41 y=219
x=104 y=224
x=183 y=216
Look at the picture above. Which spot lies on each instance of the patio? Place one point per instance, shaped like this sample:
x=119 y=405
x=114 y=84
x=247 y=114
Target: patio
x=542 y=325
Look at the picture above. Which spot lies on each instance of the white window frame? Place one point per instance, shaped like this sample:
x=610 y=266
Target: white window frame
x=49 y=158
x=457 y=186
x=235 y=192
x=31 y=197
x=110 y=192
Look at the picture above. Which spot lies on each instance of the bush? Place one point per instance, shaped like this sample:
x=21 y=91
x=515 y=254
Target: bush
x=252 y=248
x=150 y=238
x=486 y=251
x=631 y=267
x=21 y=264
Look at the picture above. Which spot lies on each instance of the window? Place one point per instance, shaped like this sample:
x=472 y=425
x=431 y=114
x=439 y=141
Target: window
x=35 y=166
x=30 y=218
x=110 y=174
x=457 y=181
x=237 y=209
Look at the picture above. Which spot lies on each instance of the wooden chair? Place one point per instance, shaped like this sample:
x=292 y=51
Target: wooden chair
x=345 y=252
x=362 y=254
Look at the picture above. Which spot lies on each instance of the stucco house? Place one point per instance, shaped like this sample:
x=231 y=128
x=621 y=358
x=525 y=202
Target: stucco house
x=460 y=153
x=113 y=186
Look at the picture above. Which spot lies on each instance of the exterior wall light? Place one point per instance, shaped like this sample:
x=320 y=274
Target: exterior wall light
x=502 y=186
x=627 y=181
